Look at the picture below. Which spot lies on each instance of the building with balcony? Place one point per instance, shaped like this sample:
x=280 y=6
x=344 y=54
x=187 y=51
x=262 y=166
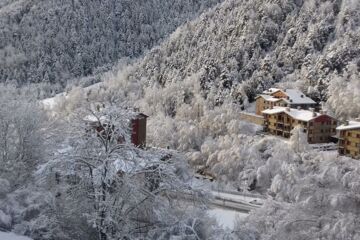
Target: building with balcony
x=349 y=139
x=292 y=98
x=319 y=127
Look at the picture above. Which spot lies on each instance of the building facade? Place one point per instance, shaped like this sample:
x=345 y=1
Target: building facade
x=102 y=126
x=138 y=135
x=349 y=139
x=280 y=121
x=292 y=98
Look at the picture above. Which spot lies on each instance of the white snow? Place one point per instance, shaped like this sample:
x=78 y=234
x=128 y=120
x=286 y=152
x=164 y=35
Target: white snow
x=271 y=91
x=225 y=217
x=269 y=98
x=238 y=197
x=5 y=219
x=298 y=97
x=299 y=114
x=295 y=96
x=12 y=236
x=351 y=125
x=50 y=103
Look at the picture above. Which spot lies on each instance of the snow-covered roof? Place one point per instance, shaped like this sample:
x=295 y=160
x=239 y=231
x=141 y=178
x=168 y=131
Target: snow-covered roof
x=297 y=97
x=351 y=125
x=299 y=114
x=271 y=90
x=269 y=98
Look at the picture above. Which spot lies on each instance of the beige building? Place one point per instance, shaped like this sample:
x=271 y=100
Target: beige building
x=280 y=121
x=292 y=98
x=349 y=139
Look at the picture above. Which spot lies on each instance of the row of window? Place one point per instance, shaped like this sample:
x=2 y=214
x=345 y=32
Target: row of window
x=349 y=134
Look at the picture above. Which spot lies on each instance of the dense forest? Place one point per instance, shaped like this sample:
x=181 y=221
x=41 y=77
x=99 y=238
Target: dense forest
x=241 y=48
x=55 y=41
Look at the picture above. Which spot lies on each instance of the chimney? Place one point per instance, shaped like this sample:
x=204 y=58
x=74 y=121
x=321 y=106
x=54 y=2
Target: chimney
x=287 y=109
x=302 y=96
x=346 y=123
x=322 y=112
x=299 y=107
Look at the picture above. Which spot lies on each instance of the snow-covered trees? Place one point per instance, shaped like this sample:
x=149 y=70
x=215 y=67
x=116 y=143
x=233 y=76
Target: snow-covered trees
x=319 y=199
x=240 y=48
x=56 y=41
x=344 y=94
x=104 y=188
x=22 y=135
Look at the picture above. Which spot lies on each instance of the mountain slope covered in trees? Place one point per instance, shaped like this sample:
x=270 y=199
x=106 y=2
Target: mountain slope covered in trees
x=242 y=47
x=54 y=41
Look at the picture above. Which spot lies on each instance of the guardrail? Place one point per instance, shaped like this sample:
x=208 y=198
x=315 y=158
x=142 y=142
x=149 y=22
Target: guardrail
x=219 y=201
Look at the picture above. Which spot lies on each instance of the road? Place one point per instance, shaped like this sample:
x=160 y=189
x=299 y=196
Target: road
x=226 y=200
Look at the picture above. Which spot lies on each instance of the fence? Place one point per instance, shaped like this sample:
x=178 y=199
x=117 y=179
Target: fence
x=253 y=118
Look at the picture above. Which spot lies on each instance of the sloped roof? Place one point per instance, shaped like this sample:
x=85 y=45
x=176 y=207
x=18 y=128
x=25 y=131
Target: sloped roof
x=350 y=126
x=299 y=114
x=271 y=91
x=269 y=98
x=297 y=97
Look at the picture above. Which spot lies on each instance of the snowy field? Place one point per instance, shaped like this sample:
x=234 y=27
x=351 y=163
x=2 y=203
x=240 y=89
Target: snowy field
x=12 y=236
x=226 y=217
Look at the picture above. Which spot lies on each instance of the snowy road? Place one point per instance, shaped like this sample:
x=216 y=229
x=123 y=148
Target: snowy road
x=226 y=217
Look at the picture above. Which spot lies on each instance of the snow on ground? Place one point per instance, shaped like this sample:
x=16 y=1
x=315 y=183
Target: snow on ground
x=12 y=236
x=50 y=103
x=226 y=217
x=251 y=108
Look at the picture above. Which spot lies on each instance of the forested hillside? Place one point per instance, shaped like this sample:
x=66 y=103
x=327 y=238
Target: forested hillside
x=74 y=183
x=242 y=47
x=54 y=41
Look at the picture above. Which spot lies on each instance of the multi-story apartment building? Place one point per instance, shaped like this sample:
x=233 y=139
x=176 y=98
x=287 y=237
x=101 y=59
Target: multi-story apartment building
x=319 y=127
x=349 y=139
x=292 y=98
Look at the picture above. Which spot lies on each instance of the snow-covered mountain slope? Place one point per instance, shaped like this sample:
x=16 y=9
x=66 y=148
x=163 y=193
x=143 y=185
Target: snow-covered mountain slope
x=242 y=47
x=59 y=40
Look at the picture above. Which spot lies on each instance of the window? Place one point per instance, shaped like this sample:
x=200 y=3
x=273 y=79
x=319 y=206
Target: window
x=304 y=130
x=358 y=135
x=321 y=138
x=311 y=124
x=349 y=134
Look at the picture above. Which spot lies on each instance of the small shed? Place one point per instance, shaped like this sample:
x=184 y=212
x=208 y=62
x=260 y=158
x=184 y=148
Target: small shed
x=138 y=135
